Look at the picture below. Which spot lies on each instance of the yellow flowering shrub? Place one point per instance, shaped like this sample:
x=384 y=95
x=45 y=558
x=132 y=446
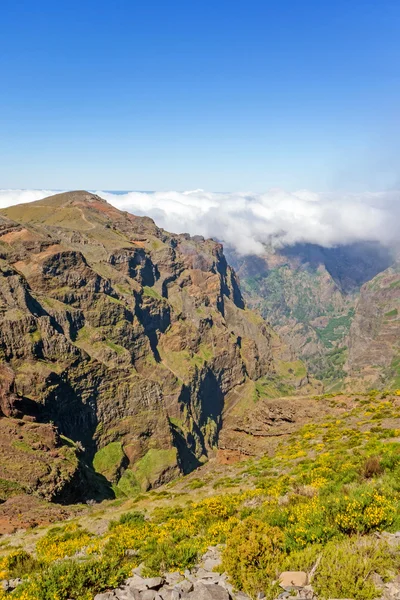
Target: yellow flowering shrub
x=251 y=554
x=319 y=488
x=61 y=542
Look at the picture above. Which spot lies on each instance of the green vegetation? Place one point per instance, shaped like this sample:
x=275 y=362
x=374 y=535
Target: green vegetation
x=336 y=329
x=35 y=336
x=148 y=469
x=331 y=368
x=127 y=485
x=317 y=500
x=151 y=292
x=286 y=295
x=393 y=374
x=346 y=567
x=271 y=387
x=108 y=460
x=118 y=349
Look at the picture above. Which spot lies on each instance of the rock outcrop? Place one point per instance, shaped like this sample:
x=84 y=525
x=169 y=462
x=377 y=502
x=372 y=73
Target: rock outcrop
x=374 y=338
x=130 y=341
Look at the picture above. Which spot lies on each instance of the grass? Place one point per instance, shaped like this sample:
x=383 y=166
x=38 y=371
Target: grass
x=154 y=462
x=151 y=292
x=35 y=336
x=118 y=349
x=108 y=460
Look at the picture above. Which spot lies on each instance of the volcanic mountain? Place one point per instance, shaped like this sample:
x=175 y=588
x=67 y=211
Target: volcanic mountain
x=122 y=347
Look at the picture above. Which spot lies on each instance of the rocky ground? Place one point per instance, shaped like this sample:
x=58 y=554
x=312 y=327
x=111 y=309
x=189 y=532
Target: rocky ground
x=205 y=583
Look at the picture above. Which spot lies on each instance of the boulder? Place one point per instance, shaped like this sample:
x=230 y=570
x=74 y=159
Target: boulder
x=170 y=594
x=173 y=578
x=136 y=583
x=150 y=595
x=204 y=591
x=153 y=583
x=293 y=579
x=184 y=586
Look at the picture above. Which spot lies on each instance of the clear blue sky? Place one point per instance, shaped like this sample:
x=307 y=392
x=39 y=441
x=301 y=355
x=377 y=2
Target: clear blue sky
x=223 y=95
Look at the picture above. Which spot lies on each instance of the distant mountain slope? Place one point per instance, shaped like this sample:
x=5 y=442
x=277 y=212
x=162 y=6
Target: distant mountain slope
x=130 y=340
x=308 y=293
x=374 y=337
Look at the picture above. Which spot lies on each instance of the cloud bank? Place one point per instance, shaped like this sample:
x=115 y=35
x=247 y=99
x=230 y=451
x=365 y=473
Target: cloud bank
x=246 y=221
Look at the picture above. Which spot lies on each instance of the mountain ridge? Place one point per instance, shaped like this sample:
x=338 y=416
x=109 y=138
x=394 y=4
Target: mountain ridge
x=131 y=340
x=310 y=294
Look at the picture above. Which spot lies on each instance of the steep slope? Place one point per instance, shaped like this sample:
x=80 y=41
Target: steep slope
x=374 y=338
x=130 y=340
x=308 y=293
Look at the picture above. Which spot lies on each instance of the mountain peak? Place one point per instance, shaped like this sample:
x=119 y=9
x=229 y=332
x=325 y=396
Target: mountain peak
x=75 y=196
x=72 y=197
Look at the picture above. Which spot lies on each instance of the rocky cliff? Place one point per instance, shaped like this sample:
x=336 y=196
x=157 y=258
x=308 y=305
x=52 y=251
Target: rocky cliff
x=124 y=345
x=374 y=338
x=308 y=293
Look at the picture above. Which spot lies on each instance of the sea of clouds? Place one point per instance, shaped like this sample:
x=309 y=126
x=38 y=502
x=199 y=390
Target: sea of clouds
x=246 y=221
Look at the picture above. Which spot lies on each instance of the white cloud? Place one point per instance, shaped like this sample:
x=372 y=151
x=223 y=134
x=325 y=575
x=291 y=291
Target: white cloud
x=246 y=221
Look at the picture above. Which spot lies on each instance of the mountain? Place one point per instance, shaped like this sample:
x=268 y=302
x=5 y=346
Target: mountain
x=309 y=294
x=374 y=337
x=121 y=347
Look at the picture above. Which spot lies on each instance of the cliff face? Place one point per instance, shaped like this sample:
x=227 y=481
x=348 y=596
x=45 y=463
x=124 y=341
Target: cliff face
x=130 y=340
x=308 y=294
x=374 y=338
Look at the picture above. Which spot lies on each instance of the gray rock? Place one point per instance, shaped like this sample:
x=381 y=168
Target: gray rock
x=169 y=594
x=136 y=582
x=13 y=583
x=138 y=570
x=293 y=579
x=204 y=574
x=203 y=591
x=392 y=590
x=127 y=593
x=172 y=578
x=153 y=583
x=105 y=596
x=211 y=559
x=211 y=563
x=184 y=586
x=150 y=595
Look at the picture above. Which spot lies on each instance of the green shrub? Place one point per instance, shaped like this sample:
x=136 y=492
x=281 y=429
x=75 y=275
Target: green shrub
x=170 y=555
x=251 y=555
x=128 y=518
x=71 y=579
x=346 y=568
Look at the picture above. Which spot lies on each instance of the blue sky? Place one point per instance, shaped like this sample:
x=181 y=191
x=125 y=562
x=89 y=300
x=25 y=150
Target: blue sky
x=221 y=95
